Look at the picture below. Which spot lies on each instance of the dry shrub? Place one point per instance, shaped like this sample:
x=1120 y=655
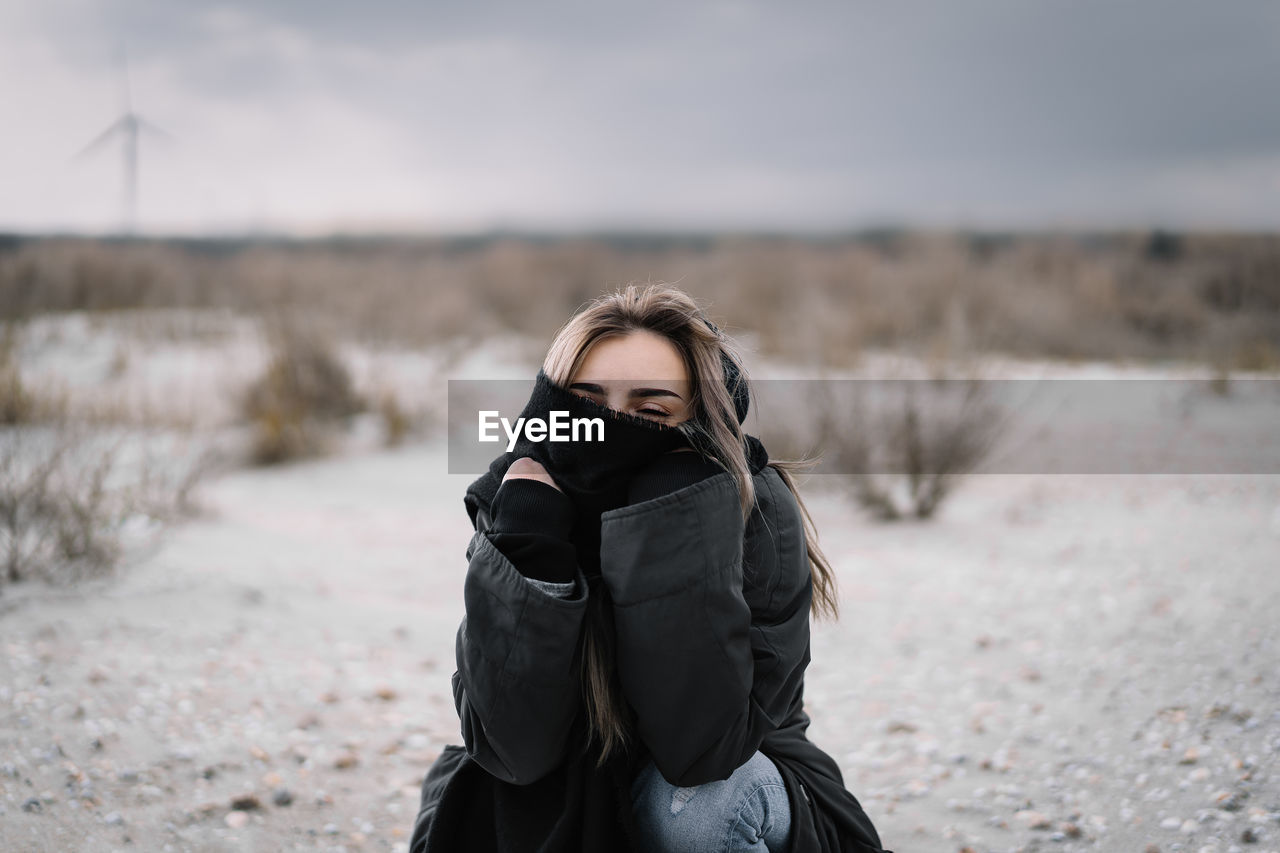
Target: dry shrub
x=54 y=516
x=1220 y=380
x=1257 y=355
x=69 y=494
x=402 y=422
x=304 y=395
x=905 y=445
x=395 y=420
x=20 y=404
x=17 y=405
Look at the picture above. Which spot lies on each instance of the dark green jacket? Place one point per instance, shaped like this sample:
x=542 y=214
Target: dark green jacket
x=712 y=624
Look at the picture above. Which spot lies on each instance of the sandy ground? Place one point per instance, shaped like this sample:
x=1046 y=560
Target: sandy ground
x=1055 y=662
x=1065 y=662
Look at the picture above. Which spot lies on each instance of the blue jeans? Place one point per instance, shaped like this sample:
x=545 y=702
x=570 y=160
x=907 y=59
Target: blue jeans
x=748 y=811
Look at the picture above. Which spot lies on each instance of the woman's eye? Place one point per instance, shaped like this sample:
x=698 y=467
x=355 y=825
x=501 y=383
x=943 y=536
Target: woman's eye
x=655 y=413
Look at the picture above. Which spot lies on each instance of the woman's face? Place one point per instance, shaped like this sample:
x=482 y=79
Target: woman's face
x=640 y=373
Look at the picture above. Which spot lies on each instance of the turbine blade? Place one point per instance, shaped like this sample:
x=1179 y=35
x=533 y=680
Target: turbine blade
x=144 y=124
x=123 y=60
x=100 y=140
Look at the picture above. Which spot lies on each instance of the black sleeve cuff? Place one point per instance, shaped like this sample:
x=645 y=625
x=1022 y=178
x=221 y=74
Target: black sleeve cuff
x=670 y=472
x=522 y=505
x=531 y=525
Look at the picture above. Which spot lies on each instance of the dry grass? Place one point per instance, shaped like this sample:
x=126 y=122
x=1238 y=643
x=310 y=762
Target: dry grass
x=1208 y=297
x=305 y=393
x=21 y=405
x=399 y=422
x=68 y=491
x=73 y=479
x=17 y=405
x=395 y=420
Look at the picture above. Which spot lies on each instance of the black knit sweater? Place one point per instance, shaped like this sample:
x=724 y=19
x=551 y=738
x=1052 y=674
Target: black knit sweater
x=533 y=521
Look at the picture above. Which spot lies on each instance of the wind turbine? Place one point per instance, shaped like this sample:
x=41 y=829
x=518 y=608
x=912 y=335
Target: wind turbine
x=129 y=126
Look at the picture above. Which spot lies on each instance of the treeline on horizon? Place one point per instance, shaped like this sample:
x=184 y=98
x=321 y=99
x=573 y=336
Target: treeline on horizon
x=1207 y=297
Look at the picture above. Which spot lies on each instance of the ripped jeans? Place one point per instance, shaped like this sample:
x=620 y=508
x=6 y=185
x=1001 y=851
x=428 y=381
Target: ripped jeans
x=748 y=811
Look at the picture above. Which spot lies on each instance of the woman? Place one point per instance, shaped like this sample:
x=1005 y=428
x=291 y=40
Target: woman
x=631 y=663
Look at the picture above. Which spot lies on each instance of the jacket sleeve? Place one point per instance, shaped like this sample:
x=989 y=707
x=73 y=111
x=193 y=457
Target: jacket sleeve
x=531 y=525
x=516 y=686
x=710 y=663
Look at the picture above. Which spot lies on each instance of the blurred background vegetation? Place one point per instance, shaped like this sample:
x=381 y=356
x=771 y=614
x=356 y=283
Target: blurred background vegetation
x=1207 y=298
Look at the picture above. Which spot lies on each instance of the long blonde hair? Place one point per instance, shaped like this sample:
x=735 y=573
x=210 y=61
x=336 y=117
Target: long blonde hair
x=713 y=426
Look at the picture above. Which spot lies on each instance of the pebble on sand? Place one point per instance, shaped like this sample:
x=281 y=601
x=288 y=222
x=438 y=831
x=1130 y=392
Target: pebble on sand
x=1033 y=819
x=246 y=802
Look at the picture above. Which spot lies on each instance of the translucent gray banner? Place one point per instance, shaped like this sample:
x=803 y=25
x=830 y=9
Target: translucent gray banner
x=936 y=427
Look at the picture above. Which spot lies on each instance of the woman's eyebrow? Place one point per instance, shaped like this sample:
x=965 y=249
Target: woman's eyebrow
x=635 y=392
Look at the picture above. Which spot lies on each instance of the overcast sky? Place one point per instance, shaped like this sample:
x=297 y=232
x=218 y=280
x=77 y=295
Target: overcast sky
x=316 y=115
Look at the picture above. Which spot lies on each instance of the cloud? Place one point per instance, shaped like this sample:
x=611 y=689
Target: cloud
x=814 y=112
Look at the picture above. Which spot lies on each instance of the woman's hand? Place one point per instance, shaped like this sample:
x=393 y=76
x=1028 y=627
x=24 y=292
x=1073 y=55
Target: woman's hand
x=526 y=468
